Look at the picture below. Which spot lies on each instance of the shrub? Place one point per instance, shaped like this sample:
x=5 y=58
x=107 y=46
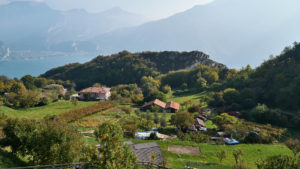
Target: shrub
x=153 y=136
x=166 y=89
x=182 y=120
x=44 y=101
x=127 y=110
x=221 y=155
x=195 y=108
x=278 y=162
x=197 y=137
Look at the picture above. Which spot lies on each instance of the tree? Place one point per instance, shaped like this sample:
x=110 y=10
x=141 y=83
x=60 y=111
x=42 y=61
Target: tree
x=216 y=100
x=127 y=110
x=113 y=153
x=28 y=81
x=224 y=119
x=43 y=142
x=156 y=95
x=278 y=162
x=24 y=98
x=148 y=116
x=74 y=101
x=211 y=76
x=231 y=96
x=293 y=145
x=221 y=155
x=149 y=85
x=182 y=120
x=40 y=82
x=162 y=121
x=201 y=83
x=156 y=118
x=237 y=153
x=17 y=88
x=97 y=85
x=166 y=89
x=195 y=108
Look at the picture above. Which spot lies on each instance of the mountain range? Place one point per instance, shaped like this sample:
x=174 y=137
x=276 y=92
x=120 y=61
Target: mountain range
x=232 y=32
x=33 y=26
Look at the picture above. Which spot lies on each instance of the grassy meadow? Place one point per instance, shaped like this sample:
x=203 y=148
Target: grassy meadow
x=40 y=112
x=207 y=158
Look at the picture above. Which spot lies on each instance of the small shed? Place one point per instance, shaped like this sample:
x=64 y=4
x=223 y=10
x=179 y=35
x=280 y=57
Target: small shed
x=199 y=123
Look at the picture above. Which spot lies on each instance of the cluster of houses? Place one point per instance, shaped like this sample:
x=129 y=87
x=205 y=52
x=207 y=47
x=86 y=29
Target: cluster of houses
x=169 y=107
x=199 y=124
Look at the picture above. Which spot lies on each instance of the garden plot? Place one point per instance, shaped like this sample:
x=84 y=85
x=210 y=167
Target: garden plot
x=190 y=150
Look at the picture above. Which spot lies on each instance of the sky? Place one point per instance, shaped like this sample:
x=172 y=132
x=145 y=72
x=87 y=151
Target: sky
x=152 y=9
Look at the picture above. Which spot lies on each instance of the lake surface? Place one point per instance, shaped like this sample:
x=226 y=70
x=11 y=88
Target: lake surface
x=19 y=68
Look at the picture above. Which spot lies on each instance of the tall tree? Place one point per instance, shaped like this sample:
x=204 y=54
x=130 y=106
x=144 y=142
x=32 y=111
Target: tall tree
x=113 y=153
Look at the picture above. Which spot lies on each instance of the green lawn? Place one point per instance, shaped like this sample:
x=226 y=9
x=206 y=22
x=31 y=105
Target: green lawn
x=40 y=112
x=181 y=96
x=208 y=159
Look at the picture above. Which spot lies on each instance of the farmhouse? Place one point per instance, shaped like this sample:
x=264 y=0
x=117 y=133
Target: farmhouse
x=171 y=107
x=95 y=93
x=155 y=102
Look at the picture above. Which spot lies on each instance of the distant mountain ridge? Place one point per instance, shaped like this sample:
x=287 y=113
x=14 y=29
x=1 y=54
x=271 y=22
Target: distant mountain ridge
x=231 y=31
x=33 y=26
x=126 y=68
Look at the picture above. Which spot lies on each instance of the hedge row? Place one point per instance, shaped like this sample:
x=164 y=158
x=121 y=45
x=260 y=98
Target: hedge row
x=73 y=115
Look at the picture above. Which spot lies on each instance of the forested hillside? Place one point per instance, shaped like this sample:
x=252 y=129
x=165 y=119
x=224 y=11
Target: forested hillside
x=267 y=94
x=126 y=68
x=276 y=82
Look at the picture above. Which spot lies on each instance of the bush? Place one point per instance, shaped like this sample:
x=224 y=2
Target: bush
x=44 y=101
x=127 y=110
x=153 y=136
x=195 y=108
x=197 y=137
x=278 y=162
x=166 y=89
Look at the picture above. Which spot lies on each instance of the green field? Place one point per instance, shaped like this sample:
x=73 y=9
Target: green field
x=207 y=158
x=40 y=112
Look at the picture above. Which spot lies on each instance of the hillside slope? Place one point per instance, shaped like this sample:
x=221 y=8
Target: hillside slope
x=125 y=67
x=275 y=83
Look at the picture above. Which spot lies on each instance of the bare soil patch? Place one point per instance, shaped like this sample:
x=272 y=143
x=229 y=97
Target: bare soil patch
x=190 y=150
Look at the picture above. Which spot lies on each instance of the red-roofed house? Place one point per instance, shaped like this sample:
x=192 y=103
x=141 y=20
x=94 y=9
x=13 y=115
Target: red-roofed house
x=156 y=102
x=172 y=107
x=95 y=93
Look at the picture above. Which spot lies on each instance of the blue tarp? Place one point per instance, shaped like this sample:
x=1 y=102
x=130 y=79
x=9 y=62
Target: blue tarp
x=231 y=141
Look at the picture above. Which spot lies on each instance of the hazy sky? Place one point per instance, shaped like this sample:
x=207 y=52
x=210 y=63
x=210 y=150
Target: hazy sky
x=152 y=9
